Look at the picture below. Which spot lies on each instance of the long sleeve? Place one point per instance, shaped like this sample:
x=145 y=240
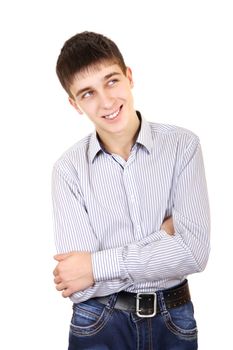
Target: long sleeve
x=160 y=256
x=71 y=224
x=115 y=211
x=73 y=232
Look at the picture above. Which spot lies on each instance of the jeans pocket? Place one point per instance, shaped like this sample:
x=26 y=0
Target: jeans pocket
x=89 y=318
x=181 y=322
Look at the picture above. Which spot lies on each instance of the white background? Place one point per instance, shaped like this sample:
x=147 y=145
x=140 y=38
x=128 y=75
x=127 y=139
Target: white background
x=181 y=55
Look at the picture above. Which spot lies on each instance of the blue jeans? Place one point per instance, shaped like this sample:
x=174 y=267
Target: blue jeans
x=101 y=327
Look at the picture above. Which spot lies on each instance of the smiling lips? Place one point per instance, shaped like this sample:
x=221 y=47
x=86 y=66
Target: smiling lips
x=113 y=115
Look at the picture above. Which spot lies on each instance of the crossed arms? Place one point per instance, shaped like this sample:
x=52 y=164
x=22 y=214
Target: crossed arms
x=179 y=248
x=74 y=271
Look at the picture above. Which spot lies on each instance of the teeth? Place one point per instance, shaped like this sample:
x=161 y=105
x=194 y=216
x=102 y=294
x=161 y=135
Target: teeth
x=113 y=115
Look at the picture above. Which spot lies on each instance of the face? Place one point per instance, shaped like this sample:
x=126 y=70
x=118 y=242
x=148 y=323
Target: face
x=104 y=95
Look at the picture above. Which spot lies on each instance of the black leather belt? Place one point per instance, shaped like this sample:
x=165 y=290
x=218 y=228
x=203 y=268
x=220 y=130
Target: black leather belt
x=146 y=304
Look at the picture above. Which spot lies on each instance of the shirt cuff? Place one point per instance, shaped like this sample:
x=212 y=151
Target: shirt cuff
x=105 y=265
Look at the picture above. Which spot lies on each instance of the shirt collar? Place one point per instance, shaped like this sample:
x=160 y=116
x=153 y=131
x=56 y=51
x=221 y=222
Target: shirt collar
x=94 y=147
x=144 y=138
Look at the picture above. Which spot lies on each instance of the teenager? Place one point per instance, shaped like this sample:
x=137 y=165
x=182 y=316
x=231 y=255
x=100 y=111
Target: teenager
x=130 y=210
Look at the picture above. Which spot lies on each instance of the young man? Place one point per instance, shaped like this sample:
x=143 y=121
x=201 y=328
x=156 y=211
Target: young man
x=130 y=209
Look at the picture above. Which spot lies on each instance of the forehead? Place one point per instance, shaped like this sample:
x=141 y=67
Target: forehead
x=96 y=68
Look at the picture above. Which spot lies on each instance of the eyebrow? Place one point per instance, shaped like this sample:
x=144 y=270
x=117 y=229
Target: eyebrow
x=87 y=88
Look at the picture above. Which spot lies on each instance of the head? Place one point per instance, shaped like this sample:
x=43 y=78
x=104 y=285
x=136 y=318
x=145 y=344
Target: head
x=92 y=70
x=85 y=51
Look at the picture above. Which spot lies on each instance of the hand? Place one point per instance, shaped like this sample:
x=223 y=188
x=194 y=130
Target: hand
x=73 y=272
x=167 y=226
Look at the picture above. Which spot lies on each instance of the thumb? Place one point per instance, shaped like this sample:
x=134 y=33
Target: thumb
x=60 y=257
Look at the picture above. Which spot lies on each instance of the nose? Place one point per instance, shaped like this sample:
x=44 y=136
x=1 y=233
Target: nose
x=106 y=100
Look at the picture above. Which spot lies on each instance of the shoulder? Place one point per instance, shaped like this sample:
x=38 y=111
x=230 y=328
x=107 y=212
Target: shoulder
x=168 y=129
x=173 y=132
x=74 y=156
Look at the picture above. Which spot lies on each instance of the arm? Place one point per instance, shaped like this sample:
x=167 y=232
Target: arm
x=75 y=241
x=161 y=256
x=74 y=270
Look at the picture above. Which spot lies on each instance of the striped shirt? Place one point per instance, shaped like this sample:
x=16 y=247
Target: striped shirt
x=114 y=209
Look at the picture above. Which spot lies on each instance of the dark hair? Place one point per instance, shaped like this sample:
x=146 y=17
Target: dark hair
x=82 y=51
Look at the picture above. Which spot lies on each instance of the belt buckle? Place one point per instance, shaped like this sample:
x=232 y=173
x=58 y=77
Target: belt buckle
x=150 y=304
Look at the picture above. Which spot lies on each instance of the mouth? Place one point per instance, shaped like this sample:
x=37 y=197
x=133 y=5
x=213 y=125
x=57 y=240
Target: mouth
x=113 y=115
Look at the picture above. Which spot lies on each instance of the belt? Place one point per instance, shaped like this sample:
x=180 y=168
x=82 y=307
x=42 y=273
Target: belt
x=146 y=304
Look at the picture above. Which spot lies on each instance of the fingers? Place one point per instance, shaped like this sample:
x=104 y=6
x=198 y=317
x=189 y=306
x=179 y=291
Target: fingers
x=66 y=291
x=57 y=280
x=168 y=220
x=168 y=226
x=60 y=287
x=59 y=258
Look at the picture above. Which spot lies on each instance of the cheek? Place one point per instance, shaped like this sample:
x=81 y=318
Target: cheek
x=129 y=96
x=124 y=93
x=88 y=106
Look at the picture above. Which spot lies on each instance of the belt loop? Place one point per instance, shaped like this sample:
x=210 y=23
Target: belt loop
x=112 y=301
x=161 y=302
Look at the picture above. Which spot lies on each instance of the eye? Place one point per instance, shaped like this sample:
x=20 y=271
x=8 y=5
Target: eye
x=87 y=94
x=112 y=82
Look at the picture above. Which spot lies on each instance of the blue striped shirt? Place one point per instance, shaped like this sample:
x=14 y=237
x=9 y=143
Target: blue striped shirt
x=114 y=209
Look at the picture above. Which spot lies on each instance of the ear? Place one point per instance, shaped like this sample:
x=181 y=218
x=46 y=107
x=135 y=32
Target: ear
x=129 y=75
x=75 y=105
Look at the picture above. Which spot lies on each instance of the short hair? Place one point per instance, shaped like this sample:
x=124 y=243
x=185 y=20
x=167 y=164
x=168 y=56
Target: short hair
x=85 y=50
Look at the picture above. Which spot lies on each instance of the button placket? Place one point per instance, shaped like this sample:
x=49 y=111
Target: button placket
x=133 y=202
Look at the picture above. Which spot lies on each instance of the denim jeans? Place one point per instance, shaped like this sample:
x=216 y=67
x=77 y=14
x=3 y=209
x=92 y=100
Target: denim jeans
x=101 y=327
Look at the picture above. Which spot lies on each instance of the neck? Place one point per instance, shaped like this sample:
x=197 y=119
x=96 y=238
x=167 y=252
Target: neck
x=122 y=144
